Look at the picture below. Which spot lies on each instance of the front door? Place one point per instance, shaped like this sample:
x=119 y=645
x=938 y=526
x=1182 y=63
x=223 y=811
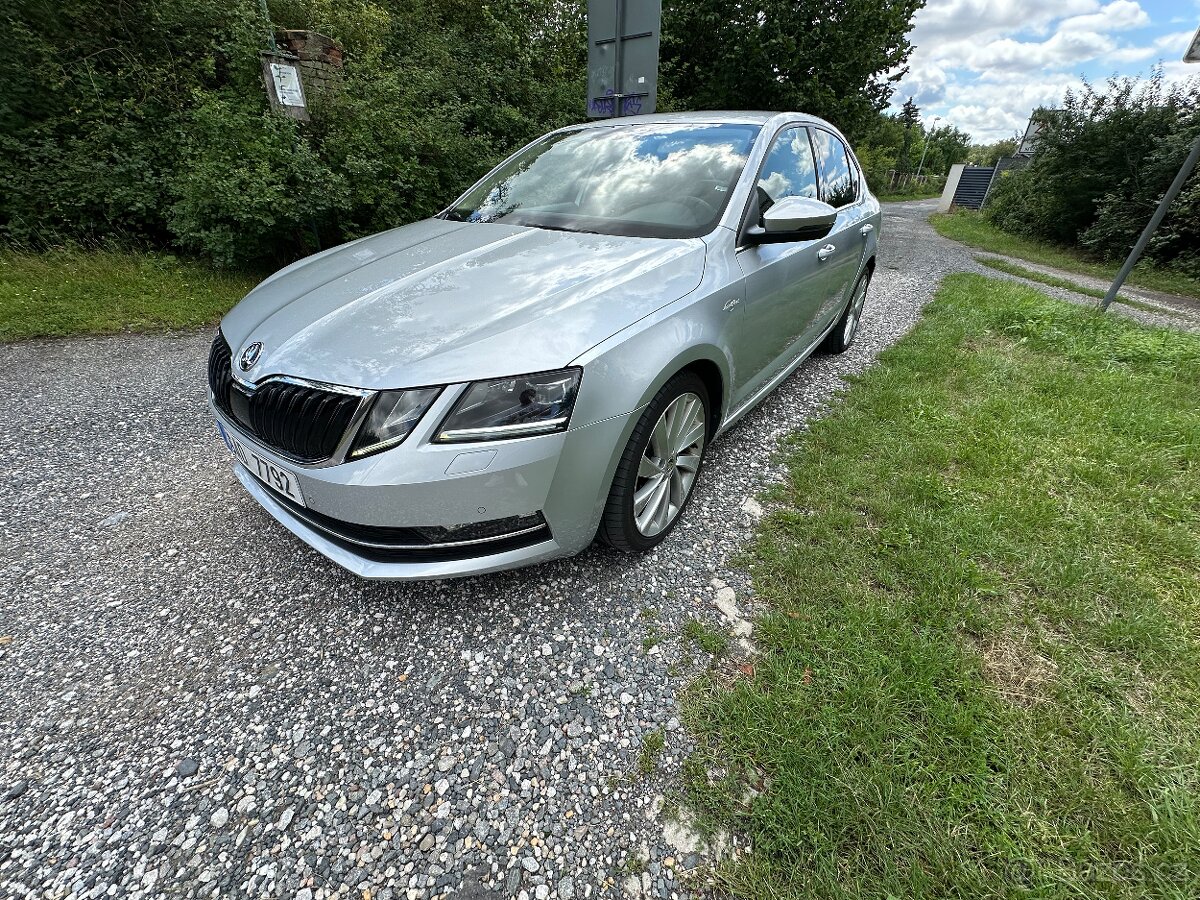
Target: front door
x=840 y=188
x=785 y=283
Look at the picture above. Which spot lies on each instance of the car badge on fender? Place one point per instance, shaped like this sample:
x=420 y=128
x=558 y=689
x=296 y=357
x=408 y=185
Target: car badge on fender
x=250 y=356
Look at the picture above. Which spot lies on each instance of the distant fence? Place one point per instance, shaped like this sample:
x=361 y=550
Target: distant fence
x=898 y=180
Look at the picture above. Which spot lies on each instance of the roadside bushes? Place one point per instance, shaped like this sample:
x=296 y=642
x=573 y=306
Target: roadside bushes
x=1104 y=161
x=247 y=182
x=147 y=124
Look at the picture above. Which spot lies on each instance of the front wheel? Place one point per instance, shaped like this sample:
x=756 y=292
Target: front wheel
x=844 y=332
x=658 y=468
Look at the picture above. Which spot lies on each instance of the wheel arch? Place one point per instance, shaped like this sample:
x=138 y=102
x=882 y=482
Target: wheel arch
x=711 y=367
x=714 y=382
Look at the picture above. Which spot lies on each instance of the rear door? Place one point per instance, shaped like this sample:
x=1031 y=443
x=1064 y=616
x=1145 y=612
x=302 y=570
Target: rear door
x=841 y=188
x=784 y=293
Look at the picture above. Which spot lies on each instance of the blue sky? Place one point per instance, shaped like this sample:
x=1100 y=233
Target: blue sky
x=983 y=65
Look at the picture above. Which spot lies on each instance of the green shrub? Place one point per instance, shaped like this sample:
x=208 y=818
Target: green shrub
x=249 y=187
x=1104 y=161
x=148 y=124
x=1122 y=213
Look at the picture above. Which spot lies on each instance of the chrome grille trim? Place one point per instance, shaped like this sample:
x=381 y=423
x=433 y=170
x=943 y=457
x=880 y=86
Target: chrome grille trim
x=223 y=378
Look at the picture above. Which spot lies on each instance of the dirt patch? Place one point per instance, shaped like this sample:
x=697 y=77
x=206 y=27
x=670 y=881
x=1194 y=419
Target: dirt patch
x=1017 y=672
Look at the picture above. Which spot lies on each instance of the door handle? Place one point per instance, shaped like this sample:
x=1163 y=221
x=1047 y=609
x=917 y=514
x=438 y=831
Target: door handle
x=827 y=251
x=866 y=229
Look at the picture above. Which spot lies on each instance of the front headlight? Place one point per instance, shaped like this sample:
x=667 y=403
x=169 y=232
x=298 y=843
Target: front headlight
x=512 y=407
x=393 y=415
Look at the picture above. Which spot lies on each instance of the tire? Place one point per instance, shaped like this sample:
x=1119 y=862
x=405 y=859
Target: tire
x=642 y=476
x=846 y=330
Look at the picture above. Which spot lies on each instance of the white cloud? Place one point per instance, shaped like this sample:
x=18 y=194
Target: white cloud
x=1175 y=44
x=984 y=65
x=928 y=83
x=1063 y=48
x=954 y=20
x=995 y=111
x=1120 y=15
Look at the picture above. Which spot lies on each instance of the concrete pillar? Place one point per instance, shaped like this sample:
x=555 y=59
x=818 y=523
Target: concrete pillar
x=952 y=179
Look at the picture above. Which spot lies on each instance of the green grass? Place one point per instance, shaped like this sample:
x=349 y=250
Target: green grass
x=652 y=747
x=1003 y=265
x=100 y=291
x=900 y=198
x=704 y=636
x=974 y=230
x=981 y=675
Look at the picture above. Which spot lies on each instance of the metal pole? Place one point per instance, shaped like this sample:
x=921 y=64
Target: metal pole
x=270 y=28
x=618 y=90
x=925 y=150
x=1152 y=225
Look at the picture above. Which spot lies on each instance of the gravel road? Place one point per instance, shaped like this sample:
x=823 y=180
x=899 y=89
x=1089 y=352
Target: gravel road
x=193 y=704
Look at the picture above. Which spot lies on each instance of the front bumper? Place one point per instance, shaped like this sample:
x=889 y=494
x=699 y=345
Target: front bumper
x=563 y=477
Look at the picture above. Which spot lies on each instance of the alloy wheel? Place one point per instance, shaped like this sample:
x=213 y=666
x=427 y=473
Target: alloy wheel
x=669 y=464
x=854 y=314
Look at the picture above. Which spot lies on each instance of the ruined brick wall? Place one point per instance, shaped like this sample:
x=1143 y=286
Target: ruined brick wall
x=319 y=58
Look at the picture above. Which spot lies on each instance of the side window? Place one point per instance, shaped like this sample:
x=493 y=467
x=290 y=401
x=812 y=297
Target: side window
x=839 y=178
x=789 y=169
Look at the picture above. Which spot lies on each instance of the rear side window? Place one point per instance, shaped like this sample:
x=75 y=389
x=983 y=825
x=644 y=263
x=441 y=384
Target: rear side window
x=839 y=177
x=789 y=169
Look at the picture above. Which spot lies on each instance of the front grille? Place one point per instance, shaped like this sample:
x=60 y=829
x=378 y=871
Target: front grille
x=425 y=544
x=220 y=372
x=303 y=422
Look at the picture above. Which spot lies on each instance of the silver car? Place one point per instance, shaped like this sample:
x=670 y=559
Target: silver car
x=548 y=359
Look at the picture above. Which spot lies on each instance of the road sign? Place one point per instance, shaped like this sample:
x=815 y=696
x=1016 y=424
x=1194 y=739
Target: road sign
x=622 y=56
x=1193 y=54
x=284 y=88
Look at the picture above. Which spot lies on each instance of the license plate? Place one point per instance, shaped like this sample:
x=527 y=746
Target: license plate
x=275 y=477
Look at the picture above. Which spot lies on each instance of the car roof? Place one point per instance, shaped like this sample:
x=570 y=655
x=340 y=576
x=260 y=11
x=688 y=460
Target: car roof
x=707 y=117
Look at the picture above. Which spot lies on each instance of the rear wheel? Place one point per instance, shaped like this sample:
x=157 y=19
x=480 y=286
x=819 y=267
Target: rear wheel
x=845 y=331
x=658 y=468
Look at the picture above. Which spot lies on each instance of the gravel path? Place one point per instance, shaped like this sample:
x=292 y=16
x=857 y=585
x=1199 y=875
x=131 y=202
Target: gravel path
x=1163 y=309
x=193 y=704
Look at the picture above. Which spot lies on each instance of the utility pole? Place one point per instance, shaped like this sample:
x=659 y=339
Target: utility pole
x=925 y=150
x=266 y=14
x=1192 y=56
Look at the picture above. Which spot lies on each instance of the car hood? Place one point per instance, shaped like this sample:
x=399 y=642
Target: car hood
x=440 y=302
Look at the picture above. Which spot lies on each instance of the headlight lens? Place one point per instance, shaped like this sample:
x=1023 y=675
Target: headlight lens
x=393 y=415
x=512 y=407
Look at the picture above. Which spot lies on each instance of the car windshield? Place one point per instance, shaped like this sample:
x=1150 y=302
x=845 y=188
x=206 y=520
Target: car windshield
x=665 y=181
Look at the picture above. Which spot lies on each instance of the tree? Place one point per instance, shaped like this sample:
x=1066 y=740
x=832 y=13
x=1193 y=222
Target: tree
x=148 y=123
x=947 y=146
x=1104 y=160
x=990 y=154
x=910 y=119
x=837 y=59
